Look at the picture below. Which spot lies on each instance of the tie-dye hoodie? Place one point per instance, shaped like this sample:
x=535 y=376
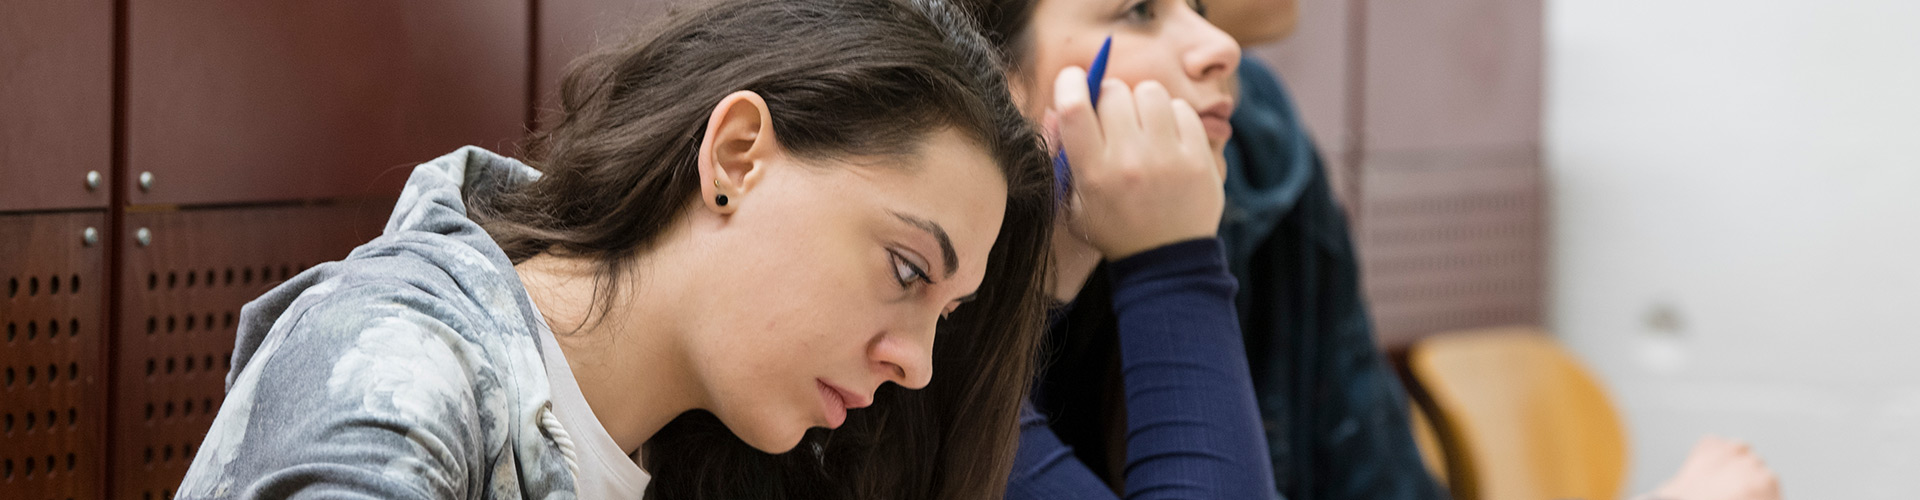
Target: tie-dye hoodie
x=411 y=369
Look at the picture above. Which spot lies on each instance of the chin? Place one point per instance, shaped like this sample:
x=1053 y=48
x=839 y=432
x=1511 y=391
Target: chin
x=769 y=437
x=778 y=445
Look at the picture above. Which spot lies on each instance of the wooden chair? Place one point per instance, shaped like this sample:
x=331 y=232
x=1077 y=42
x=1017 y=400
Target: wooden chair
x=1427 y=439
x=1518 y=417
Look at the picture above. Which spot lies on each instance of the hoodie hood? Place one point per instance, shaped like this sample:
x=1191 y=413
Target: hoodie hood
x=429 y=226
x=417 y=358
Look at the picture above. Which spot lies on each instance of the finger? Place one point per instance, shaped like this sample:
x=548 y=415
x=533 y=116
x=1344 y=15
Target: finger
x=1118 y=119
x=1193 y=135
x=1156 y=111
x=1068 y=92
x=1712 y=442
x=1080 y=132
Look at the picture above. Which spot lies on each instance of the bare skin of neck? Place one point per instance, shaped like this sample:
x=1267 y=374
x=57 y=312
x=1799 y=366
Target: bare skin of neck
x=1073 y=262
x=626 y=359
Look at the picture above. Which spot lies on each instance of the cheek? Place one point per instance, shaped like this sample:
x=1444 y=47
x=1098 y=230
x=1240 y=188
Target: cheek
x=1056 y=53
x=797 y=323
x=1035 y=97
x=800 y=308
x=1150 y=60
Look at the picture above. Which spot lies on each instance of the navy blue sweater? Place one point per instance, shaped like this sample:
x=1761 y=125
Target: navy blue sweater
x=1193 y=431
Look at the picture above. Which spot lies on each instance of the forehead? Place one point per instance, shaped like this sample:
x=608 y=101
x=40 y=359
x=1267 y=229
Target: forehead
x=949 y=180
x=1079 y=13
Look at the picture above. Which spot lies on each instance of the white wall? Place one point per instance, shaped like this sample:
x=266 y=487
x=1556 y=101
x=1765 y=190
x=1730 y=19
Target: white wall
x=1753 y=167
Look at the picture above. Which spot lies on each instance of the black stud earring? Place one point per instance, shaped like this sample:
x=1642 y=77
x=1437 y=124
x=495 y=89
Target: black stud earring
x=720 y=200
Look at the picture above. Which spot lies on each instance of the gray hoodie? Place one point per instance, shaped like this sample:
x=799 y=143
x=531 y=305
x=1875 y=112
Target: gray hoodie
x=411 y=369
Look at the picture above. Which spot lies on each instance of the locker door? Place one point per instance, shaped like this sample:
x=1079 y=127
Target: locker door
x=56 y=85
x=52 y=378
x=241 y=101
x=571 y=28
x=186 y=274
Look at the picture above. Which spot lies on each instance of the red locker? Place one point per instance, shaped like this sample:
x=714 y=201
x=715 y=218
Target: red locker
x=185 y=275
x=239 y=101
x=52 y=375
x=571 y=28
x=56 y=85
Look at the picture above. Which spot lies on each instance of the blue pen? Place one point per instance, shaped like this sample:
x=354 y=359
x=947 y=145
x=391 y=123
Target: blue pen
x=1062 y=175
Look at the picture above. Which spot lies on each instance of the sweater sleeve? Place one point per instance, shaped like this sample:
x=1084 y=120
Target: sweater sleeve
x=1193 y=431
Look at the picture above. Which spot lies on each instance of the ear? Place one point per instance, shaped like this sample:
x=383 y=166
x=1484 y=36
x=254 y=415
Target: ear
x=735 y=151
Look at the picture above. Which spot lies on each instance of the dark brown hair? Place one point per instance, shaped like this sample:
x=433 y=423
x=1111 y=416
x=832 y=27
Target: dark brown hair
x=841 y=78
x=1086 y=396
x=1005 y=23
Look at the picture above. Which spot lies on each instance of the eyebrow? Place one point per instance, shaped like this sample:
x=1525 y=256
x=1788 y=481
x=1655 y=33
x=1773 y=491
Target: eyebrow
x=939 y=234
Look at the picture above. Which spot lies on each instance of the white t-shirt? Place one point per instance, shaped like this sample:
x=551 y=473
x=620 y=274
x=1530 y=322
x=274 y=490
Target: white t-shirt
x=605 y=470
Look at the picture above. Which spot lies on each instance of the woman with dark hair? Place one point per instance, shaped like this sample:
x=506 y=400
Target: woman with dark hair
x=1146 y=392
x=1331 y=416
x=749 y=222
x=1334 y=416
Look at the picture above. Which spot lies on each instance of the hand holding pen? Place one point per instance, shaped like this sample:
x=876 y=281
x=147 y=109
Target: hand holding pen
x=1143 y=174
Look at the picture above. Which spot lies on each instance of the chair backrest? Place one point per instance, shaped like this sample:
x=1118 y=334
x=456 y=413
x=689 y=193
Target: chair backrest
x=1427 y=439
x=1518 y=417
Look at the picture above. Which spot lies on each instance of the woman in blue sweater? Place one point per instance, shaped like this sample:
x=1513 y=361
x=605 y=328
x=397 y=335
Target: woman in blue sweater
x=1175 y=425
x=1142 y=217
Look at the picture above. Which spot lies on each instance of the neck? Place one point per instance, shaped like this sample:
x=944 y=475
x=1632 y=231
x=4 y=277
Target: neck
x=626 y=359
x=1073 y=263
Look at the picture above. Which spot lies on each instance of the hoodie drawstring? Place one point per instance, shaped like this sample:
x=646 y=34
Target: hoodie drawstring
x=551 y=425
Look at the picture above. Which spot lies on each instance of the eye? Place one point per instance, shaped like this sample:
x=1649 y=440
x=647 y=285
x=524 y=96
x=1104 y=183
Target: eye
x=906 y=273
x=1199 y=7
x=1140 y=12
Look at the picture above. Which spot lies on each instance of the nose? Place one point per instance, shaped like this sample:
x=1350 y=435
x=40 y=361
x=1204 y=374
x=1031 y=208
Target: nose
x=1209 y=53
x=904 y=359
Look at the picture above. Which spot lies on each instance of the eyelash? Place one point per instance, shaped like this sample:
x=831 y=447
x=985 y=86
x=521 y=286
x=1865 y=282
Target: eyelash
x=1142 y=11
x=915 y=276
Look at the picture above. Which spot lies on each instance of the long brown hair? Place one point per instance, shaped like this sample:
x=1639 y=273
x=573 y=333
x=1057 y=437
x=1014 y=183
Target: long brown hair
x=841 y=78
x=1085 y=394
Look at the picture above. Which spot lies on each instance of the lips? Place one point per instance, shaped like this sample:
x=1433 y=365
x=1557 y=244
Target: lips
x=835 y=401
x=1216 y=120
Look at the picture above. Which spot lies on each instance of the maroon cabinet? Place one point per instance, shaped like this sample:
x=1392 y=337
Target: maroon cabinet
x=570 y=28
x=56 y=90
x=242 y=101
x=52 y=375
x=184 y=277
